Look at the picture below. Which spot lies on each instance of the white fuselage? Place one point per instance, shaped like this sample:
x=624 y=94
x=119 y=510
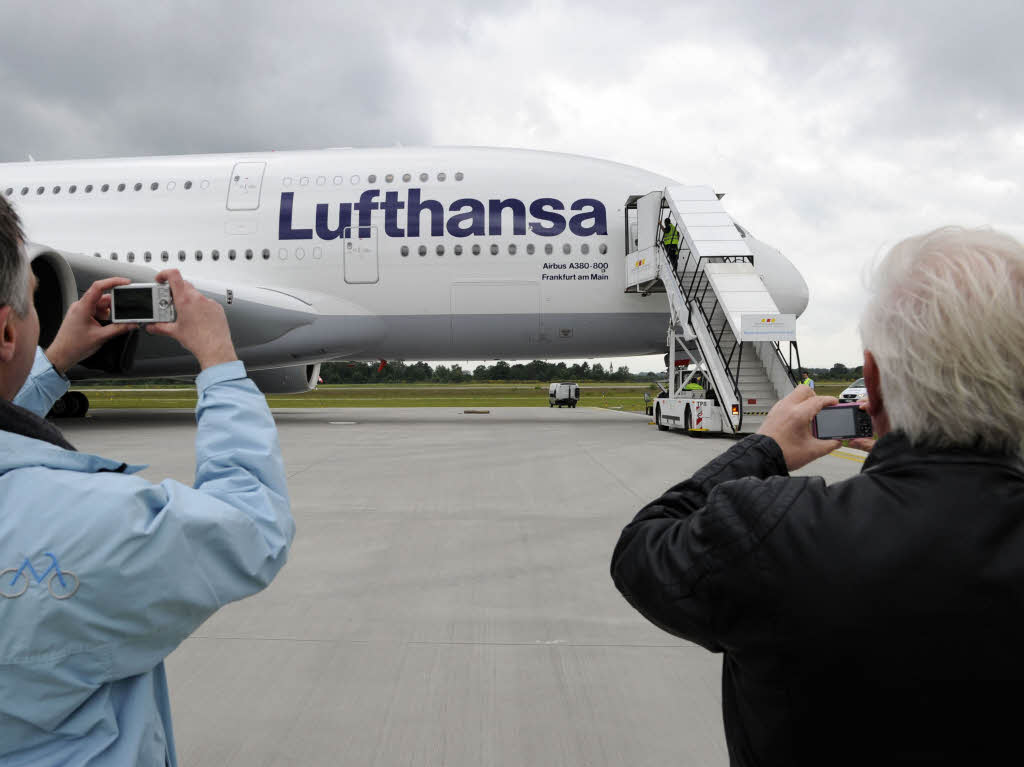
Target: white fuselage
x=425 y=253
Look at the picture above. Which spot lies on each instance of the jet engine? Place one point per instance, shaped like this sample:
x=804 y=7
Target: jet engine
x=291 y=380
x=56 y=291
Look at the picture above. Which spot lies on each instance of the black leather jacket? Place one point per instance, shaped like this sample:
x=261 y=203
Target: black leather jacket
x=879 y=620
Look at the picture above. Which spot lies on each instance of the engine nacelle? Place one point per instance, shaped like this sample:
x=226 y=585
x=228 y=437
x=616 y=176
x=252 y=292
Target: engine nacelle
x=291 y=380
x=56 y=292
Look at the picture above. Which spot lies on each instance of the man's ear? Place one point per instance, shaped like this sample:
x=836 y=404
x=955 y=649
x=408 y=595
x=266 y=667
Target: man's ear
x=876 y=403
x=7 y=333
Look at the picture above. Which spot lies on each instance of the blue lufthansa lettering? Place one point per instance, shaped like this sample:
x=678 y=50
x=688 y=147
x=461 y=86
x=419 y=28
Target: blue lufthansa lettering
x=555 y=221
x=474 y=217
x=596 y=214
x=285 y=231
x=323 y=231
x=518 y=216
x=415 y=208
x=465 y=217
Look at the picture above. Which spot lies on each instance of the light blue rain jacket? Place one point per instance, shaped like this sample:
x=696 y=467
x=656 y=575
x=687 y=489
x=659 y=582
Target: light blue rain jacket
x=82 y=676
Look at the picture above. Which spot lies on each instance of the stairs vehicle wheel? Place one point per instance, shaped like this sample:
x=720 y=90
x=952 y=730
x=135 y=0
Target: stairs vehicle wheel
x=657 y=420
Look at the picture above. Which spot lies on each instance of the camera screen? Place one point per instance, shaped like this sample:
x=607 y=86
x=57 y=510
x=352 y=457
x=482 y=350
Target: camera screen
x=836 y=422
x=133 y=303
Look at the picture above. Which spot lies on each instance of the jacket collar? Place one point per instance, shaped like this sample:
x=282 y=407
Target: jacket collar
x=895 y=449
x=28 y=440
x=26 y=423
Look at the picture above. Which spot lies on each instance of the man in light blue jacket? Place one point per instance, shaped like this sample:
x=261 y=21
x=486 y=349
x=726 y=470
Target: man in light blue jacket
x=104 y=573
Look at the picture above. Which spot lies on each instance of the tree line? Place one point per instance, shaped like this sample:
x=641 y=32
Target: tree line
x=399 y=371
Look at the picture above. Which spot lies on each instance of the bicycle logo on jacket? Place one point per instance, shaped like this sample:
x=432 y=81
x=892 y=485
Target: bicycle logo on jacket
x=61 y=585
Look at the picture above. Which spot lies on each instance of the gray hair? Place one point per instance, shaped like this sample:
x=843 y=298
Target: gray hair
x=14 y=268
x=945 y=324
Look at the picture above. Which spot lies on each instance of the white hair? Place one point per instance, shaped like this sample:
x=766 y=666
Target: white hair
x=945 y=324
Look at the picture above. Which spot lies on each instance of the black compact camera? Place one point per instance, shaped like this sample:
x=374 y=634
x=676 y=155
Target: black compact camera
x=842 y=422
x=142 y=302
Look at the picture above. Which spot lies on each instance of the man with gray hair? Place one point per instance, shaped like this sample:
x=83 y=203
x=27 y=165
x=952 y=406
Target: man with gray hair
x=102 y=573
x=878 y=620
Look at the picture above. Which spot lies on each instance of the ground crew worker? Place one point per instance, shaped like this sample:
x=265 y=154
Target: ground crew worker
x=670 y=239
x=808 y=381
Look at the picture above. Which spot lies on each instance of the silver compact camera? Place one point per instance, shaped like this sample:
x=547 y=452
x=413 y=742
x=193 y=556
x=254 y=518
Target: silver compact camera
x=142 y=302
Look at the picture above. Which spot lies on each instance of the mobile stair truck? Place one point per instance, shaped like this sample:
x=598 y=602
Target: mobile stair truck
x=723 y=323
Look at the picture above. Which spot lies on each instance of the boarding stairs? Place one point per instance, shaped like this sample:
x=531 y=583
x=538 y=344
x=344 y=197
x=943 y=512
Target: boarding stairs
x=722 y=316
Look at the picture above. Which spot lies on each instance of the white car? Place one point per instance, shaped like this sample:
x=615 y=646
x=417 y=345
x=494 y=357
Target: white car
x=854 y=392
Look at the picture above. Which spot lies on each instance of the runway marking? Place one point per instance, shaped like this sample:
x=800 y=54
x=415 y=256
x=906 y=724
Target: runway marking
x=855 y=457
x=342 y=423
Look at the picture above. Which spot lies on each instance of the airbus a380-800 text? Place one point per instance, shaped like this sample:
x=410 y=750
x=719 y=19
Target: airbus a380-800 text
x=359 y=254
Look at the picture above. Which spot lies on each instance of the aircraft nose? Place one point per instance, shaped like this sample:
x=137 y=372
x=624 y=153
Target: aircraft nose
x=787 y=286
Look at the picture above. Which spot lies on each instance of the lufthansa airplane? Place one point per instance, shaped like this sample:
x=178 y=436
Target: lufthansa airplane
x=359 y=254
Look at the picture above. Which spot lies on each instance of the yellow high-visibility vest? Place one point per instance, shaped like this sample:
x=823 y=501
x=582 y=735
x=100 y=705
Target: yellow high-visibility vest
x=671 y=236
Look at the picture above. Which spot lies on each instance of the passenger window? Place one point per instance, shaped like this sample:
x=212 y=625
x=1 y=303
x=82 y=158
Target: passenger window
x=584 y=248
x=138 y=187
x=181 y=255
x=147 y=256
x=300 y=253
x=131 y=257
x=232 y=255
x=424 y=176
x=120 y=187
x=530 y=249
x=318 y=252
x=494 y=250
x=72 y=189
x=603 y=249
x=567 y=248
x=549 y=249
x=440 y=250
x=266 y=254
x=215 y=255
x=459 y=176
x=56 y=190
x=188 y=184
x=154 y=186
x=476 y=250
x=458 y=250
x=282 y=253
x=248 y=254
x=422 y=250
x=113 y=256
x=199 y=255
x=372 y=179
x=405 y=251
x=511 y=250
x=164 y=256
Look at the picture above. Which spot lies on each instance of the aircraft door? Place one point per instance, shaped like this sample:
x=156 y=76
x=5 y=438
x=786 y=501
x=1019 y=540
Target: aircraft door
x=245 y=186
x=360 y=255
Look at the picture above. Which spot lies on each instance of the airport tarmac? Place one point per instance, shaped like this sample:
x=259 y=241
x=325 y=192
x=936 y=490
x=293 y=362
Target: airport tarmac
x=447 y=599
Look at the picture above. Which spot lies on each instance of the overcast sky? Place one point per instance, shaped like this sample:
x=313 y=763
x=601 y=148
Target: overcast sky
x=835 y=128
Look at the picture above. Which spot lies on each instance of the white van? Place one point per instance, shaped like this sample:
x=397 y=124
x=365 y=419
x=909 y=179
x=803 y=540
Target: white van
x=563 y=394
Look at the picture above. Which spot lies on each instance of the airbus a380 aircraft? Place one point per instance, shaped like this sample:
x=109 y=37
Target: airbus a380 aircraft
x=450 y=253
